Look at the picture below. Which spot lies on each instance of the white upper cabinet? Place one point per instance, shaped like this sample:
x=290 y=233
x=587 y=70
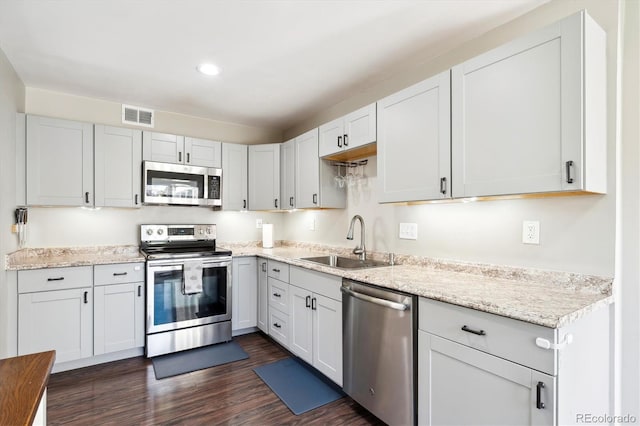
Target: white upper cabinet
x=414 y=144
x=202 y=152
x=530 y=116
x=287 y=175
x=351 y=131
x=234 y=177
x=168 y=148
x=59 y=157
x=264 y=176
x=315 y=178
x=118 y=153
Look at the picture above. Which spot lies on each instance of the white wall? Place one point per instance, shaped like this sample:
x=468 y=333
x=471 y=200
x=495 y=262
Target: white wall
x=11 y=101
x=577 y=233
x=63 y=227
x=63 y=105
x=627 y=283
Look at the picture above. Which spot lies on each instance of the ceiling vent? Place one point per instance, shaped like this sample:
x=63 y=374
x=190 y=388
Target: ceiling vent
x=137 y=116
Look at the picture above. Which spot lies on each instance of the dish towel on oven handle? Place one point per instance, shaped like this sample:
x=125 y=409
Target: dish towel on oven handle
x=192 y=277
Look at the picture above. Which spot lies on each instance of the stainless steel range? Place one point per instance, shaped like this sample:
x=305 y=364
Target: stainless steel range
x=188 y=288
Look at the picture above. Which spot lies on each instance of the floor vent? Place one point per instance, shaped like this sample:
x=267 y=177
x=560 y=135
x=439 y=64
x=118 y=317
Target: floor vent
x=137 y=116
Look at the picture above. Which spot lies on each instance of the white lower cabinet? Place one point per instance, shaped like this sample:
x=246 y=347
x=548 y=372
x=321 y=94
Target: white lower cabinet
x=56 y=320
x=244 y=296
x=55 y=312
x=263 y=299
x=465 y=386
x=118 y=307
x=315 y=315
x=476 y=368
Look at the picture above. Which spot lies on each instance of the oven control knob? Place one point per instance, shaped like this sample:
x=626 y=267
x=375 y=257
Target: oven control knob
x=209 y=230
x=149 y=231
x=160 y=231
x=202 y=231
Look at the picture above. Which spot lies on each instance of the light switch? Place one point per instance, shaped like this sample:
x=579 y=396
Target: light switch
x=408 y=231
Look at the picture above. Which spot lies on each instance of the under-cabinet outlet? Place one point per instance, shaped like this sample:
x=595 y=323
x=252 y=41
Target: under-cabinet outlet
x=259 y=223
x=531 y=232
x=408 y=231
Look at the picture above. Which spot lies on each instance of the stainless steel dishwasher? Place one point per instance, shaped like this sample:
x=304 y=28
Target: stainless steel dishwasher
x=379 y=350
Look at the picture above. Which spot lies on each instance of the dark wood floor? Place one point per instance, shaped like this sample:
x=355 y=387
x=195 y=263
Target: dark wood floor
x=127 y=393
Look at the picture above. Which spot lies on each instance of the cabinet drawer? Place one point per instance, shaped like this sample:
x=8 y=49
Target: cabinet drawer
x=118 y=273
x=278 y=294
x=504 y=337
x=54 y=279
x=278 y=270
x=316 y=282
x=279 y=326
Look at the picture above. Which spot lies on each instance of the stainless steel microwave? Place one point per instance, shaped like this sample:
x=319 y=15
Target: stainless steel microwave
x=182 y=185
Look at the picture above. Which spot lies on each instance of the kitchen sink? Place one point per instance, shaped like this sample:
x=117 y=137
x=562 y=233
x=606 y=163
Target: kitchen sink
x=345 y=262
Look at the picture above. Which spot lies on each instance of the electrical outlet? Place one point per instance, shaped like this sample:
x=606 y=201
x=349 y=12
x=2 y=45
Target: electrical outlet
x=408 y=231
x=259 y=223
x=312 y=225
x=531 y=232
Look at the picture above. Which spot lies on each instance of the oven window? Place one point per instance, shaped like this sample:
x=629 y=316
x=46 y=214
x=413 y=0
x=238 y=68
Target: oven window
x=174 y=185
x=170 y=305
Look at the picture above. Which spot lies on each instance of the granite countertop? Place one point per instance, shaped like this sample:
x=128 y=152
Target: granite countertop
x=547 y=298
x=58 y=257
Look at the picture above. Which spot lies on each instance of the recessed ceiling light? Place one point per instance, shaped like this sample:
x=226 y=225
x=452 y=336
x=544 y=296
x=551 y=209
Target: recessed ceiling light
x=208 y=69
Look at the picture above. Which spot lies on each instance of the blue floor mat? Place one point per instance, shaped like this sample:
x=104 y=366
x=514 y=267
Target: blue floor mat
x=197 y=359
x=299 y=386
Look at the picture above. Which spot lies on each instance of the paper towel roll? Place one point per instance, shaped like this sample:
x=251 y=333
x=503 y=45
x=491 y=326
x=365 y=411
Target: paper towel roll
x=267 y=235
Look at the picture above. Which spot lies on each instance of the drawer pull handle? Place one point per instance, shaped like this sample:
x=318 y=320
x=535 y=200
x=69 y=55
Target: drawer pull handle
x=55 y=279
x=276 y=325
x=277 y=295
x=539 y=403
x=569 y=165
x=276 y=270
x=118 y=274
x=472 y=331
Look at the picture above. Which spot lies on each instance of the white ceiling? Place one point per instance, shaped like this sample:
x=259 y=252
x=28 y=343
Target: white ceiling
x=281 y=60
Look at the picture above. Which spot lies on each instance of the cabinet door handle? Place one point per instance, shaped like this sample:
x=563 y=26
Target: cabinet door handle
x=275 y=203
x=472 y=331
x=119 y=274
x=86 y=297
x=315 y=198
x=86 y=197
x=346 y=140
x=264 y=266
x=179 y=157
x=307 y=302
x=277 y=295
x=276 y=325
x=276 y=270
x=443 y=185
x=244 y=204
x=139 y=291
x=291 y=201
x=313 y=304
x=569 y=165
x=339 y=141
x=539 y=403
x=188 y=157
x=136 y=201
x=55 y=279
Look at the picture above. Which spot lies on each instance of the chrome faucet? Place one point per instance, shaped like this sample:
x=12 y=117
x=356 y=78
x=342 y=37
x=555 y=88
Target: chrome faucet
x=360 y=250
